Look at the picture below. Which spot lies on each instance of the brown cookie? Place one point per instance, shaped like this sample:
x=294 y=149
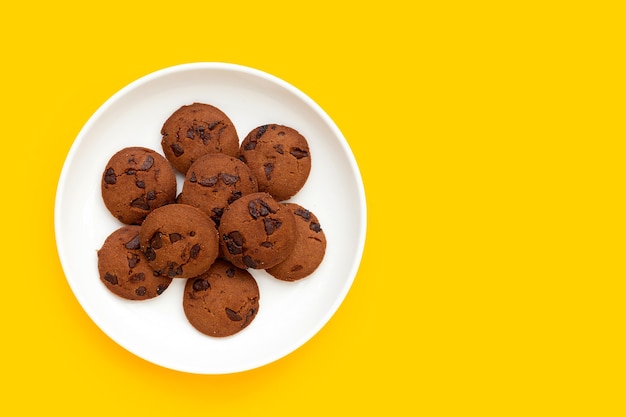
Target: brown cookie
x=179 y=241
x=195 y=130
x=222 y=301
x=136 y=181
x=124 y=270
x=214 y=181
x=308 y=251
x=256 y=232
x=279 y=157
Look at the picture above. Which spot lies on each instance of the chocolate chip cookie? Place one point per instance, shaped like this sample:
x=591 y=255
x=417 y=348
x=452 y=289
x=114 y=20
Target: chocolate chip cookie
x=309 y=249
x=179 y=241
x=279 y=157
x=125 y=271
x=195 y=130
x=136 y=181
x=222 y=301
x=256 y=232
x=214 y=181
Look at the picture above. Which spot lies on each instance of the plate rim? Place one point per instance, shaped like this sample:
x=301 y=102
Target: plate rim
x=229 y=67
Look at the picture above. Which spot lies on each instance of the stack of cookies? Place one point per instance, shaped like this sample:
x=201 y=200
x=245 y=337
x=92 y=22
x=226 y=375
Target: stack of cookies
x=230 y=217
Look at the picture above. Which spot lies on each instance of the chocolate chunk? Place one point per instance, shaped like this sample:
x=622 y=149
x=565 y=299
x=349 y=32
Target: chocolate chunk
x=304 y=213
x=296 y=268
x=232 y=315
x=228 y=179
x=192 y=177
x=140 y=203
x=156 y=242
x=141 y=291
x=175 y=237
x=138 y=277
x=151 y=195
x=315 y=227
x=234 y=196
x=147 y=163
x=174 y=270
x=249 y=262
x=261 y=131
x=190 y=133
x=299 y=153
x=234 y=242
x=110 y=177
x=110 y=278
x=259 y=208
x=267 y=244
x=177 y=149
x=265 y=208
x=150 y=254
x=253 y=209
x=250 y=145
x=279 y=148
x=230 y=272
x=133 y=260
x=212 y=125
x=200 y=284
x=195 y=250
x=268 y=168
x=133 y=243
x=217 y=215
x=140 y=184
x=217 y=212
x=271 y=225
x=208 y=182
x=160 y=288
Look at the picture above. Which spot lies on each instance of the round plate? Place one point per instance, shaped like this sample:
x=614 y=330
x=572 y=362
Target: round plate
x=290 y=313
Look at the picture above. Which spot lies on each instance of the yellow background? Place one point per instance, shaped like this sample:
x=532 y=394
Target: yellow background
x=490 y=137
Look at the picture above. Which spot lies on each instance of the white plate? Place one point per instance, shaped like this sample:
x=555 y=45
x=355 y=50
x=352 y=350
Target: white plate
x=290 y=313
